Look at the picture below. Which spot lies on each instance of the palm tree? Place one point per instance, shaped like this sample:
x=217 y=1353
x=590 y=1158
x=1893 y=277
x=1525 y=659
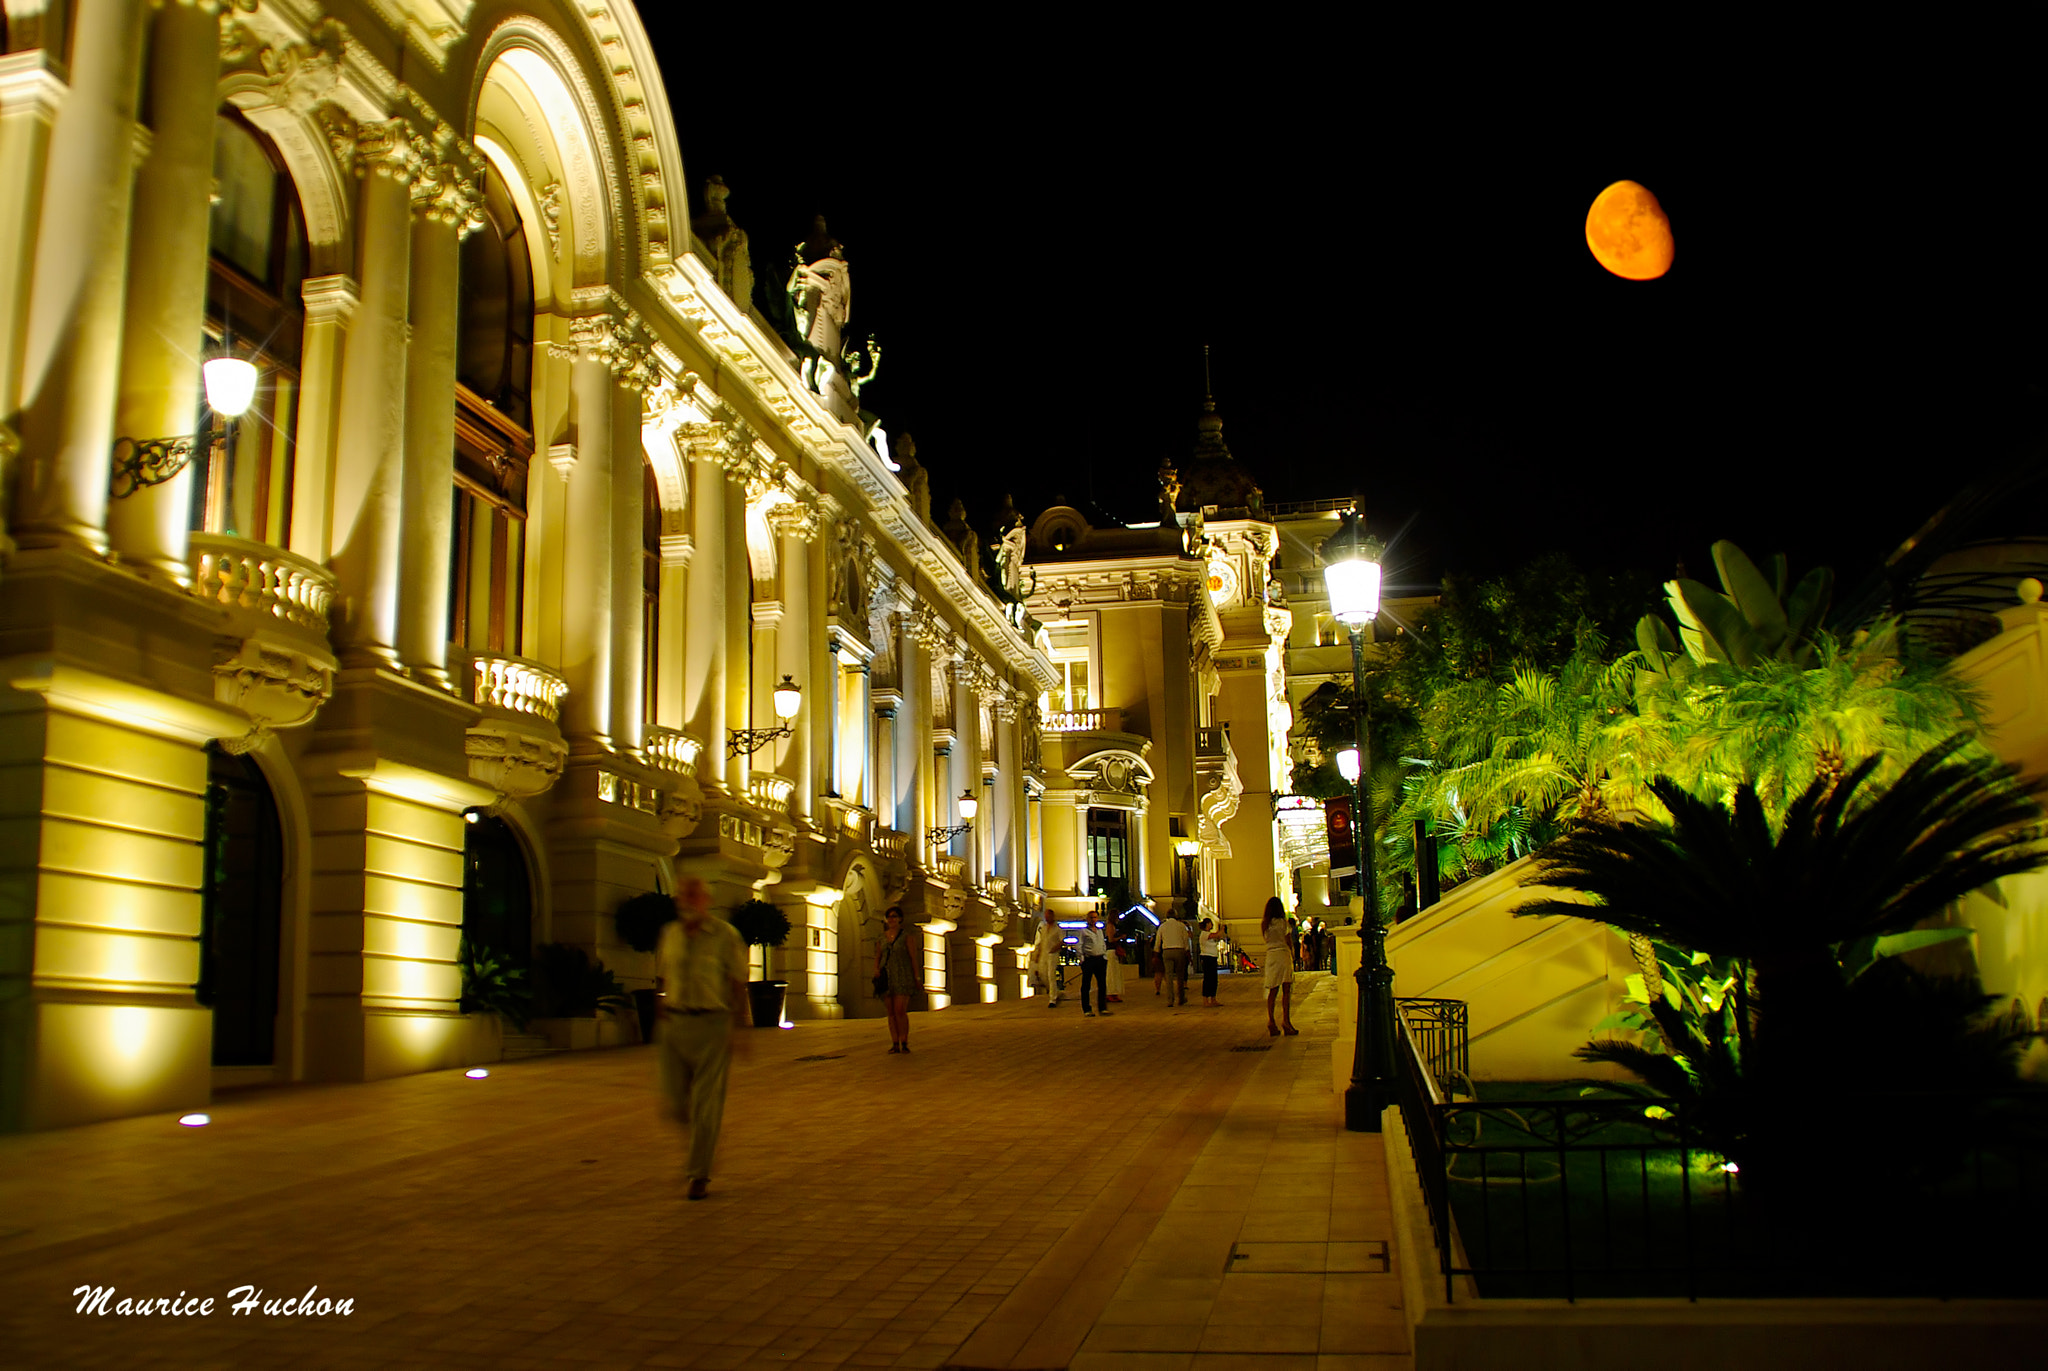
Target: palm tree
x=1803 y=907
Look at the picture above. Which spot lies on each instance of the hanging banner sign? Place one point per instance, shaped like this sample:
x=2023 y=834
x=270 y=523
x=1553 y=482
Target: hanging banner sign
x=1343 y=843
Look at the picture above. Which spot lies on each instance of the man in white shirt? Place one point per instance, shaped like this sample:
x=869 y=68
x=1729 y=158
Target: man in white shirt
x=702 y=965
x=1095 y=965
x=1172 y=942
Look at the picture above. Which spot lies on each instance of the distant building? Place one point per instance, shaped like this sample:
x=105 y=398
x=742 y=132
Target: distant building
x=1167 y=728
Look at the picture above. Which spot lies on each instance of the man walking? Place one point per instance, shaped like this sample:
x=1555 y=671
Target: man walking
x=1095 y=965
x=1172 y=942
x=702 y=967
x=1045 y=958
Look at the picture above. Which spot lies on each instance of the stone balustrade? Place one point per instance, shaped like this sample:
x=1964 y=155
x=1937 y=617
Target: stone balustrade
x=952 y=868
x=516 y=685
x=672 y=750
x=1085 y=721
x=891 y=843
x=1212 y=741
x=770 y=792
x=268 y=580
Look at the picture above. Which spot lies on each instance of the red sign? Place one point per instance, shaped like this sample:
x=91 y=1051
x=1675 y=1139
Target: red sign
x=1343 y=843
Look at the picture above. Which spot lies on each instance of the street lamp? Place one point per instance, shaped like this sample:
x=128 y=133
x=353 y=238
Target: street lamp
x=969 y=807
x=230 y=384
x=745 y=742
x=1351 y=574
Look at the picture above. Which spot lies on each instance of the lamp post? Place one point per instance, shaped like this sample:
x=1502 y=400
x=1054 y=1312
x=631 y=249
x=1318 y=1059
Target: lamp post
x=1351 y=574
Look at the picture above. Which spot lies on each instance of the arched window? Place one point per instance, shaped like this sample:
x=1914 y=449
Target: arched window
x=493 y=427
x=254 y=310
x=494 y=353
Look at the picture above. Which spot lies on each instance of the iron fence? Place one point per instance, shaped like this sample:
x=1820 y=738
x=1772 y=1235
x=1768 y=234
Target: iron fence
x=1573 y=1196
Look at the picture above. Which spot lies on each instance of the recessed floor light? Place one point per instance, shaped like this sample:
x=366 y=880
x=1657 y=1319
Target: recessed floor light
x=196 y=1120
x=476 y=1073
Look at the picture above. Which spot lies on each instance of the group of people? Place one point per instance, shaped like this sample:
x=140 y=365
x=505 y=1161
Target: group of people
x=702 y=965
x=1175 y=950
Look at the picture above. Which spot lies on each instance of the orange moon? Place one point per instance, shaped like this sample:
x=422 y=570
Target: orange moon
x=1629 y=232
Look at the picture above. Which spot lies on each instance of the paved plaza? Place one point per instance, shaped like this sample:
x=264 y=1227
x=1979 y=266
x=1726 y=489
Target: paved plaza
x=1026 y=1189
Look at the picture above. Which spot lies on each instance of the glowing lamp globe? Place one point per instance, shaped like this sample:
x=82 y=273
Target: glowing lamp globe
x=1188 y=847
x=1351 y=574
x=788 y=696
x=969 y=806
x=1347 y=764
x=230 y=386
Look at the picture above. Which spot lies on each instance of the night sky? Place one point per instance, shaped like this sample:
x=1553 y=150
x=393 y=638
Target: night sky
x=1390 y=268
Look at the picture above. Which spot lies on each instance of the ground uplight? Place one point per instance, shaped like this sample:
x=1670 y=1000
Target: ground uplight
x=476 y=1073
x=196 y=1120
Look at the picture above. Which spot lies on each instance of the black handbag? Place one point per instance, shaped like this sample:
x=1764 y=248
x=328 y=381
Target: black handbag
x=881 y=984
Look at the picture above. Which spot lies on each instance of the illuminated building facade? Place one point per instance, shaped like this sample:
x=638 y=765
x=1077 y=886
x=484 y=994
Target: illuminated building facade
x=451 y=629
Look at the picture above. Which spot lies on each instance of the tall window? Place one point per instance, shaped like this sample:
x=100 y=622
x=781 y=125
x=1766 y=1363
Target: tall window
x=1108 y=847
x=494 y=357
x=493 y=428
x=254 y=309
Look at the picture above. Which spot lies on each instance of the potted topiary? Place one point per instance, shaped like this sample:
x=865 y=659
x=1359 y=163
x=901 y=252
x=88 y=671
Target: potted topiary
x=761 y=924
x=639 y=921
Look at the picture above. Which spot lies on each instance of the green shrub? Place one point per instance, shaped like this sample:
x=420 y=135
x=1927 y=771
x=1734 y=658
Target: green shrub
x=569 y=985
x=640 y=919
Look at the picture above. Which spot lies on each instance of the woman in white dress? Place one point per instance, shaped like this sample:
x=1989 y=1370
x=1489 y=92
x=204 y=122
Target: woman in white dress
x=1045 y=959
x=1114 y=978
x=1279 y=968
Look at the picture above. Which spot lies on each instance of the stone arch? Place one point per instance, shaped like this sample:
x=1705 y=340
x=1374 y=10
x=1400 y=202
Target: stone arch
x=1115 y=777
x=326 y=190
x=535 y=847
x=861 y=903
x=531 y=98
x=295 y=821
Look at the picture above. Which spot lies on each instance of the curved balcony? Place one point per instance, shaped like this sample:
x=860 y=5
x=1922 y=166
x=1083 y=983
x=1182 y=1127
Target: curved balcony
x=275 y=664
x=671 y=750
x=1085 y=721
x=262 y=581
x=515 y=685
x=515 y=747
x=770 y=792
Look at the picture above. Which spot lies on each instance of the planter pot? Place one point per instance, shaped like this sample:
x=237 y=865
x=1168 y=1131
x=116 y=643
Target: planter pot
x=767 y=998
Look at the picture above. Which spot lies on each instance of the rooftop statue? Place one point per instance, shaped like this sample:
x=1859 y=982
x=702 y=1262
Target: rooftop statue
x=1009 y=549
x=1169 y=491
x=965 y=541
x=915 y=478
x=821 y=288
x=731 y=261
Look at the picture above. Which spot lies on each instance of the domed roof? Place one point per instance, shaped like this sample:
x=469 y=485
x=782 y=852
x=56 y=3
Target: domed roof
x=1211 y=475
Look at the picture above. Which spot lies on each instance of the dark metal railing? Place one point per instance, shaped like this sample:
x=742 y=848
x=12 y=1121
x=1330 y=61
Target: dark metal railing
x=1439 y=1030
x=1574 y=1197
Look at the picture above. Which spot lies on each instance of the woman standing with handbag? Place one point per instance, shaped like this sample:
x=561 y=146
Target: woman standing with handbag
x=896 y=975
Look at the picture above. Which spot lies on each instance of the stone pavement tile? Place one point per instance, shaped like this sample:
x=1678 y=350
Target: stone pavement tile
x=1354 y=1361
x=1129 y=1311
x=1131 y=1361
x=1144 y=1337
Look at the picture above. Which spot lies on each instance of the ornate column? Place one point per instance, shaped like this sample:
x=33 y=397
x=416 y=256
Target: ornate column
x=795 y=636
x=884 y=705
x=1006 y=820
x=966 y=759
x=445 y=201
x=704 y=623
x=588 y=534
x=71 y=363
x=167 y=251
x=835 y=766
x=370 y=447
x=736 y=614
x=628 y=655
x=868 y=794
x=30 y=95
x=914 y=732
x=672 y=650
x=330 y=306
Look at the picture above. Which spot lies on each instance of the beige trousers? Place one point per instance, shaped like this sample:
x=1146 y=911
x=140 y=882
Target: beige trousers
x=694 y=1051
